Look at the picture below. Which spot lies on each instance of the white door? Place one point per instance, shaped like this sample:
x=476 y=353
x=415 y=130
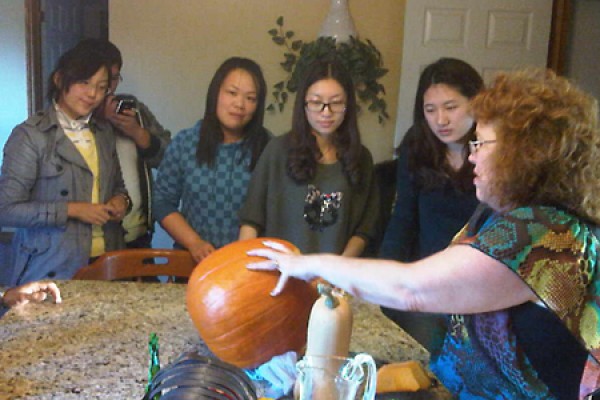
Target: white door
x=491 y=35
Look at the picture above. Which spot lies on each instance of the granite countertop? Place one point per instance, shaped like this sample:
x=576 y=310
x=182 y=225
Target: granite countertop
x=95 y=344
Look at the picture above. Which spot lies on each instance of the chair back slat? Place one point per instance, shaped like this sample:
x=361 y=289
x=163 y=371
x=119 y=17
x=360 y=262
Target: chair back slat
x=138 y=263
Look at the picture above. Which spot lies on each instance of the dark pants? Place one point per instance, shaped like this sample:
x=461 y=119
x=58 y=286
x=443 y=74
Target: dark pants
x=143 y=242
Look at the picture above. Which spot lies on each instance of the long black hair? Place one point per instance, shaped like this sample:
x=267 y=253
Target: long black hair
x=303 y=150
x=427 y=159
x=255 y=135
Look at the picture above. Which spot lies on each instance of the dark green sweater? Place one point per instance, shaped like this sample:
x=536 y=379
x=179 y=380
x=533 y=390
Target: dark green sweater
x=275 y=204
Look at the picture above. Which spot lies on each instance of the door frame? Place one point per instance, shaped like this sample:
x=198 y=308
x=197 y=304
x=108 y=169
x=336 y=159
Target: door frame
x=562 y=11
x=33 y=39
x=34 y=17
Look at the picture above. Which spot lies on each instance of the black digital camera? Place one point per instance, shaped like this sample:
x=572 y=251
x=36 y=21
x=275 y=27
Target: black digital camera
x=124 y=102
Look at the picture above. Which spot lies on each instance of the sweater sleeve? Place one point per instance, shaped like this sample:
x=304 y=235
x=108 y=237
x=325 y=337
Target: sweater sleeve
x=170 y=178
x=19 y=175
x=401 y=234
x=253 y=211
x=369 y=218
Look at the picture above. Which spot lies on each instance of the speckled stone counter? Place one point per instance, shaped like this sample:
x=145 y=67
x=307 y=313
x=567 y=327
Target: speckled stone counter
x=95 y=344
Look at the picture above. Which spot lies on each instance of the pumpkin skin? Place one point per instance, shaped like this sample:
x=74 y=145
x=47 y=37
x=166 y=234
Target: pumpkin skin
x=234 y=313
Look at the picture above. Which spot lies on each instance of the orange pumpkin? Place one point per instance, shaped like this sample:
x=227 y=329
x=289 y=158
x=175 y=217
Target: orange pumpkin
x=240 y=322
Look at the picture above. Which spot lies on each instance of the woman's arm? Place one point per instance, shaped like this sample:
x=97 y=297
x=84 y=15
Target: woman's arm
x=179 y=229
x=248 y=232
x=253 y=213
x=365 y=214
x=355 y=246
x=18 y=179
x=458 y=280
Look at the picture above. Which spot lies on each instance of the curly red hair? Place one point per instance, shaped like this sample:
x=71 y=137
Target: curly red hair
x=548 y=142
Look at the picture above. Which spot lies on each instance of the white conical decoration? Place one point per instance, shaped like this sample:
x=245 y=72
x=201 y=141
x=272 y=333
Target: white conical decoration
x=338 y=23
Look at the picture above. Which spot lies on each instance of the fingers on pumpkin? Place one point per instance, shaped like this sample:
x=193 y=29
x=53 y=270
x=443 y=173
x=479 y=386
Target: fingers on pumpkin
x=266 y=253
x=277 y=246
x=262 y=265
x=280 y=284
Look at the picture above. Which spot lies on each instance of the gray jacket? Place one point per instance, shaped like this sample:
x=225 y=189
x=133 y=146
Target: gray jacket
x=42 y=171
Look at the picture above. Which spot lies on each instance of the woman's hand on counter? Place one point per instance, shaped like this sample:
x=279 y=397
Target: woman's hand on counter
x=31 y=292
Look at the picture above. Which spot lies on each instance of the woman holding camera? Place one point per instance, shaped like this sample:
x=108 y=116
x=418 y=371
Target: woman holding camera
x=61 y=183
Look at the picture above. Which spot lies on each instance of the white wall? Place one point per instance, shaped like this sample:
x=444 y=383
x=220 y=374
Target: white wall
x=13 y=67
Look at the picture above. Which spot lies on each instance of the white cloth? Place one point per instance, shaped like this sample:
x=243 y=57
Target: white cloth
x=276 y=377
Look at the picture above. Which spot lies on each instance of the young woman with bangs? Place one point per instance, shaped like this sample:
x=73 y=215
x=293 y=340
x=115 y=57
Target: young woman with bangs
x=61 y=183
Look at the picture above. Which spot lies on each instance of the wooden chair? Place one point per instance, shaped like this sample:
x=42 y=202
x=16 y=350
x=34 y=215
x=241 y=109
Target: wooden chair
x=139 y=263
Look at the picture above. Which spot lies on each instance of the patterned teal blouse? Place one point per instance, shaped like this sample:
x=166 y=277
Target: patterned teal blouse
x=555 y=253
x=208 y=198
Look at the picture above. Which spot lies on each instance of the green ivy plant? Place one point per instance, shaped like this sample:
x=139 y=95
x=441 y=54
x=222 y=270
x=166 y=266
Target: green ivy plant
x=361 y=58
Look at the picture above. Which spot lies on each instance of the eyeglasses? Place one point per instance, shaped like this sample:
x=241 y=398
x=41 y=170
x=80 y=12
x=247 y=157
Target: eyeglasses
x=117 y=77
x=474 y=145
x=99 y=87
x=319 y=106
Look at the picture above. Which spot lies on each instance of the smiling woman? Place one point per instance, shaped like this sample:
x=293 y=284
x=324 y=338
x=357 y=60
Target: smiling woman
x=84 y=95
x=61 y=182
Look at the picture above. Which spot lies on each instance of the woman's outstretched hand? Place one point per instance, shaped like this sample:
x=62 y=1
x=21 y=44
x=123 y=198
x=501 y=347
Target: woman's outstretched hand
x=283 y=259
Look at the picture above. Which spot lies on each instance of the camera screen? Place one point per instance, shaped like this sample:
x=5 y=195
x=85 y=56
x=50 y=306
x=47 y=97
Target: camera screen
x=125 y=104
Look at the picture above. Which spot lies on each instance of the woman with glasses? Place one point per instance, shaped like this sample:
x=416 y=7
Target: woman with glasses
x=522 y=282
x=61 y=183
x=434 y=180
x=207 y=167
x=314 y=186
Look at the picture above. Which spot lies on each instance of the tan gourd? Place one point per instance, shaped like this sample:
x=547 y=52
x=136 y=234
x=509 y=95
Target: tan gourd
x=330 y=324
x=407 y=376
x=329 y=332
